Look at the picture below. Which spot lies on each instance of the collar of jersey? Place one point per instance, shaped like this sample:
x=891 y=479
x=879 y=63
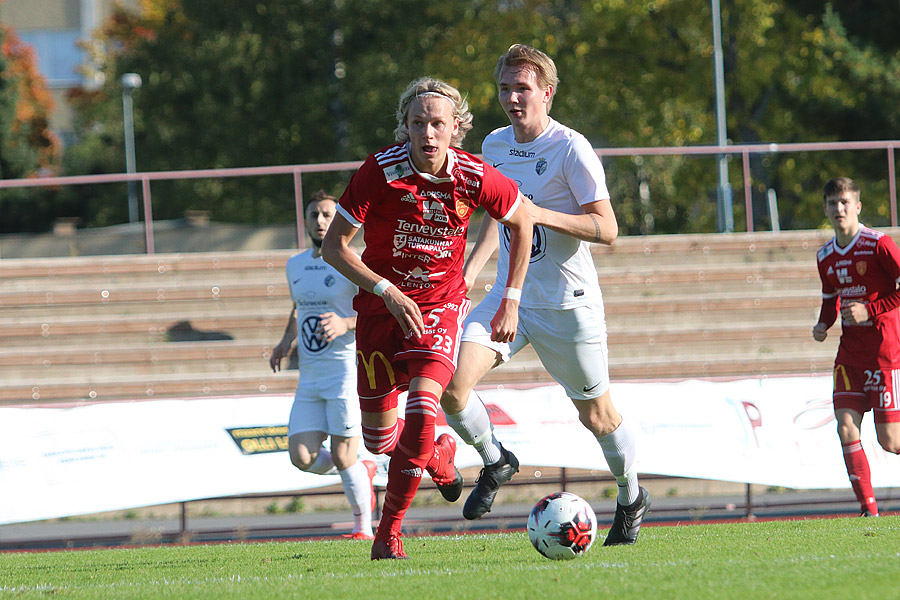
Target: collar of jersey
x=451 y=162
x=845 y=249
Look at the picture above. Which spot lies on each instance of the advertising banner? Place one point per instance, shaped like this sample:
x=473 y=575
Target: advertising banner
x=57 y=462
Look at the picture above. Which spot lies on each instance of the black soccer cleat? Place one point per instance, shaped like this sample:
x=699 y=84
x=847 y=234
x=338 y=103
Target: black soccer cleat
x=627 y=522
x=488 y=483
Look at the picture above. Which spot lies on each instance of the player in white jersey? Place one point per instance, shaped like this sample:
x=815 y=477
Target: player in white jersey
x=561 y=311
x=323 y=321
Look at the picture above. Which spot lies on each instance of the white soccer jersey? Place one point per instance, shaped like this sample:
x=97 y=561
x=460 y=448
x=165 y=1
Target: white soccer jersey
x=558 y=170
x=316 y=288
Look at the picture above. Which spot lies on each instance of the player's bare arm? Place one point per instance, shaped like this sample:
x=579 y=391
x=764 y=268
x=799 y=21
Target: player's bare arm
x=485 y=244
x=283 y=348
x=506 y=320
x=337 y=252
x=598 y=224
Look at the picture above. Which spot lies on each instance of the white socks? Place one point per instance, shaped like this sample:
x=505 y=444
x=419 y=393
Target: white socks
x=474 y=427
x=323 y=465
x=358 y=489
x=620 y=450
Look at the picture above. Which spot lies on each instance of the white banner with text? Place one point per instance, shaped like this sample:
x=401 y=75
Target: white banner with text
x=57 y=462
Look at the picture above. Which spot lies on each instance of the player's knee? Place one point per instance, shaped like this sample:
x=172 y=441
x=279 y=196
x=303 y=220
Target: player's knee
x=302 y=460
x=453 y=400
x=890 y=444
x=847 y=432
x=343 y=460
x=597 y=424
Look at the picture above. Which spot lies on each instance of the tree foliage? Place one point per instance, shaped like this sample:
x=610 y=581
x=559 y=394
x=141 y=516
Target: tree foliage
x=27 y=146
x=229 y=83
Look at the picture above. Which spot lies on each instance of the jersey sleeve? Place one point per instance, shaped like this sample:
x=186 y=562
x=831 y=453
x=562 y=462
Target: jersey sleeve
x=359 y=196
x=499 y=194
x=887 y=254
x=829 y=310
x=584 y=172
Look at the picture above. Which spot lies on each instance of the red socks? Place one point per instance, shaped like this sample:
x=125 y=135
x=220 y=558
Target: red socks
x=860 y=476
x=414 y=452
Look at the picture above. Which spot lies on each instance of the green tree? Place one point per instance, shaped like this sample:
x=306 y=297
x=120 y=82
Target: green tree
x=640 y=74
x=27 y=146
x=232 y=84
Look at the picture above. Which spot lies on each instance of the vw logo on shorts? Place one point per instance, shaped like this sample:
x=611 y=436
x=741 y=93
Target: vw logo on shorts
x=309 y=337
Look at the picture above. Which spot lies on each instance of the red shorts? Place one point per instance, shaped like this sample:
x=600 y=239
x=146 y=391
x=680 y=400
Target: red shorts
x=862 y=390
x=386 y=360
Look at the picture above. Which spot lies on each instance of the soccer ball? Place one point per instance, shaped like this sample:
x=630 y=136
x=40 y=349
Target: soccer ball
x=562 y=526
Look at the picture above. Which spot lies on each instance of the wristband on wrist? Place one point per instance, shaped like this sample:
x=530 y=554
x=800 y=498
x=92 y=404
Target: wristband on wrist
x=381 y=287
x=513 y=294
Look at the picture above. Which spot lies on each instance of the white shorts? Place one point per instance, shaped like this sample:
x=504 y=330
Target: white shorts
x=570 y=343
x=328 y=404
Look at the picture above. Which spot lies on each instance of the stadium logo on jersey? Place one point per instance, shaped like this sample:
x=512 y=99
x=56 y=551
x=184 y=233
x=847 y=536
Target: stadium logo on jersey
x=309 y=334
x=369 y=366
x=541 y=167
x=397 y=171
x=861 y=267
x=330 y=281
x=521 y=153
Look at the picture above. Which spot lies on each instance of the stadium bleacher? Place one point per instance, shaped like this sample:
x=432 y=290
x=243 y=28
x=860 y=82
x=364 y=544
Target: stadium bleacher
x=103 y=328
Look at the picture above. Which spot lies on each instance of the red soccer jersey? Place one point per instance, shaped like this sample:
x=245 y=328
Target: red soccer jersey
x=416 y=223
x=867 y=270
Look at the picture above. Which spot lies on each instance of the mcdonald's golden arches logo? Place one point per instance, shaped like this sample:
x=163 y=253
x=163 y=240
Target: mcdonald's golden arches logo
x=369 y=366
x=841 y=370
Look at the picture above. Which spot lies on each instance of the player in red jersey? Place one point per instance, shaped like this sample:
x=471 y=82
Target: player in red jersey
x=415 y=199
x=860 y=270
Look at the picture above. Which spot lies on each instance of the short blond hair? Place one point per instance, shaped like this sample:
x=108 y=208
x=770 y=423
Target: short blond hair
x=531 y=58
x=429 y=85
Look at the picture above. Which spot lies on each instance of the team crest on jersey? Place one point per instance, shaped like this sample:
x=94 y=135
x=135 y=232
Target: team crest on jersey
x=541 y=167
x=399 y=241
x=462 y=207
x=861 y=267
x=398 y=171
x=330 y=281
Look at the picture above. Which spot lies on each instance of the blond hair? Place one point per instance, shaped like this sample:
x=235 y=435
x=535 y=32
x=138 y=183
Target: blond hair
x=434 y=87
x=540 y=64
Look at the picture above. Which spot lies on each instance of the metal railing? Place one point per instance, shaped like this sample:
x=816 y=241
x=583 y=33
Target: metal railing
x=297 y=171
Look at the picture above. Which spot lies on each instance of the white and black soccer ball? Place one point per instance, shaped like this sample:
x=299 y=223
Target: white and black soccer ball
x=562 y=526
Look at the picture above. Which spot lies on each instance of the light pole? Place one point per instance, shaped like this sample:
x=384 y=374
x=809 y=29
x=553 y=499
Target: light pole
x=130 y=82
x=725 y=210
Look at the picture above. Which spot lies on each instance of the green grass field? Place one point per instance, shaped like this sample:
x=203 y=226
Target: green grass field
x=820 y=558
